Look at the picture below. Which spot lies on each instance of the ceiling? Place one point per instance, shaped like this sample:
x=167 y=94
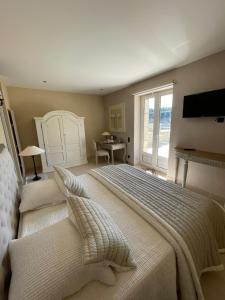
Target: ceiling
x=89 y=45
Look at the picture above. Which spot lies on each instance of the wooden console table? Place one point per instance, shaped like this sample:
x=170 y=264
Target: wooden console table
x=202 y=157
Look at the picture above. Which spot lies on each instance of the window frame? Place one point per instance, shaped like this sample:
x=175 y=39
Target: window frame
x=146 y=158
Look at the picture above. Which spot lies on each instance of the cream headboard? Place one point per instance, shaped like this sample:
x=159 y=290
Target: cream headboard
x=9 y=200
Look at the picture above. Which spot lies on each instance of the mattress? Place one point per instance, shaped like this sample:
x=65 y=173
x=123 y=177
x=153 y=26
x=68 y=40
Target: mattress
x=155 y=276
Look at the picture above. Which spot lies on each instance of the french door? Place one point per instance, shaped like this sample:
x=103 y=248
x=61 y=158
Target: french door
x=156 y=111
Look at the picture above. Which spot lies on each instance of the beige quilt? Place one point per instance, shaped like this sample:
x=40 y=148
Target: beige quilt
x=155 y=276
x=194 y=225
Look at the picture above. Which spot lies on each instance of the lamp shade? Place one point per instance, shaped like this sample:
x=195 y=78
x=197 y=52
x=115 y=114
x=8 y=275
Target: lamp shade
x=31 y=151
x=106 y=133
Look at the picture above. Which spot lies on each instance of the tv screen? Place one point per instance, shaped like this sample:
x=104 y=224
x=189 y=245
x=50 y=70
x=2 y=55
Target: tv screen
x=208 y=104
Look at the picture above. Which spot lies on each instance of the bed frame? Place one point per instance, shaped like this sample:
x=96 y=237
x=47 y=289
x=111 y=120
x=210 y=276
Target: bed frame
x=9 y=216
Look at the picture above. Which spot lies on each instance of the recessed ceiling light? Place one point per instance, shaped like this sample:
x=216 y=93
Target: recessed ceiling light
x=44 y=81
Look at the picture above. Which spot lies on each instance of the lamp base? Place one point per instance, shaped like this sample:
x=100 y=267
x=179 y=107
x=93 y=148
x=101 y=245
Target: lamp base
x=36 y=178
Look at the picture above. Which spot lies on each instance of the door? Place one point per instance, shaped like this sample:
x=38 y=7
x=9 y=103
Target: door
x=6 y=133
x=16 y=141
x=54 y=140
x=2 y=129
x=155 y=128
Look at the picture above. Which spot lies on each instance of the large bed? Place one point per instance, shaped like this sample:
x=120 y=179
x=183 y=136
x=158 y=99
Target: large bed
x=155 y=258
x=160 y=258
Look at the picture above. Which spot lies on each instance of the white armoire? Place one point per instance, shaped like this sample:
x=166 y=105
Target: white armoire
x=62 y=135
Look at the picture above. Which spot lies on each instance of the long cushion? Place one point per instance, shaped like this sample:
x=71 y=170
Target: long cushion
x=102 y=239
x=39 y=194
x=71 y=182
x=48 y=265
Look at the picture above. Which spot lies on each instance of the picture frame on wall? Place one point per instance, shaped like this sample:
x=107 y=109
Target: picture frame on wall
x=117 y=118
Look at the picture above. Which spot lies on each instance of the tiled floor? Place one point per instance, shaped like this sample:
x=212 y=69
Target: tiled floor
x=85 y=168
x=213 y=283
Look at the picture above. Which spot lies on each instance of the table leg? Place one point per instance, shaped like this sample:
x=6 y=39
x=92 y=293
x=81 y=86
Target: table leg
x=124 y=154
x=112 y=157
x=176 y=169
x=185 y=173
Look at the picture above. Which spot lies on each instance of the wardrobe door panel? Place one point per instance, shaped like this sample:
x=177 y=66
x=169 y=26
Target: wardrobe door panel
x=54 y=140
x=71 y=129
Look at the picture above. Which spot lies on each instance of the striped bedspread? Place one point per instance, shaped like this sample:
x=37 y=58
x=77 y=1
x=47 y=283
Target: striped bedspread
x=193 y=224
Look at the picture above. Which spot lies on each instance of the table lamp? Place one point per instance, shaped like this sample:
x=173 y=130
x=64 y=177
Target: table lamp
x=32 y=151
x=106 y=134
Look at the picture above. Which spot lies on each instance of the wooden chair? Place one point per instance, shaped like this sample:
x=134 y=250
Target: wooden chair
x=100 y=152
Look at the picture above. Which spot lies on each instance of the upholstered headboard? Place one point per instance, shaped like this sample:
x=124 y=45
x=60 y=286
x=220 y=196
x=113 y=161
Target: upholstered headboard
x=9 y=200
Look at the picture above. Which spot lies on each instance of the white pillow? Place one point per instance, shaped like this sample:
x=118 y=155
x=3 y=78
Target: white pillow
x=41 y=193
x=102 y=239
x=61 y=185
x=71 y=182
x=48 y=265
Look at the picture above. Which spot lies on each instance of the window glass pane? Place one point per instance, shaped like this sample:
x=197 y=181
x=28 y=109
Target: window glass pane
x=164 y=126
x=149 y=110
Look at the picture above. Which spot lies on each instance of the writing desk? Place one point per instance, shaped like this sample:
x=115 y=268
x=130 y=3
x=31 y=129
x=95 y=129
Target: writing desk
x=202 y=157
x=113 y=147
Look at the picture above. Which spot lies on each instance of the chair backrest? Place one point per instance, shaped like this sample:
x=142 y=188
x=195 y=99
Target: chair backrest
x=94 y=145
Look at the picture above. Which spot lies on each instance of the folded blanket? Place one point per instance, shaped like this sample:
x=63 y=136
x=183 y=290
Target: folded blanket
x=193 y=224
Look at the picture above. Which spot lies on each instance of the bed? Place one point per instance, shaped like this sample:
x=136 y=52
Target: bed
x=156 y=276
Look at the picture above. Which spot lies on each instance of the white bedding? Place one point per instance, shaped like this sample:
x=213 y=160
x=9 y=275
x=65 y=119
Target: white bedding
x=34 y=221
x=155 y=276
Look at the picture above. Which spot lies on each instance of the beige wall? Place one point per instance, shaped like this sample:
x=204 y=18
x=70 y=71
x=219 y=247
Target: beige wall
x=200 y=133
x=29 y=103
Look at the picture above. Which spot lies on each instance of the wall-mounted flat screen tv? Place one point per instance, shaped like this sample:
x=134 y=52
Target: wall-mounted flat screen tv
x=208 y=104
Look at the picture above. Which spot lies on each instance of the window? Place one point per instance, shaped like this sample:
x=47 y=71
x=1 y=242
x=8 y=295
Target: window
x=155 y=128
